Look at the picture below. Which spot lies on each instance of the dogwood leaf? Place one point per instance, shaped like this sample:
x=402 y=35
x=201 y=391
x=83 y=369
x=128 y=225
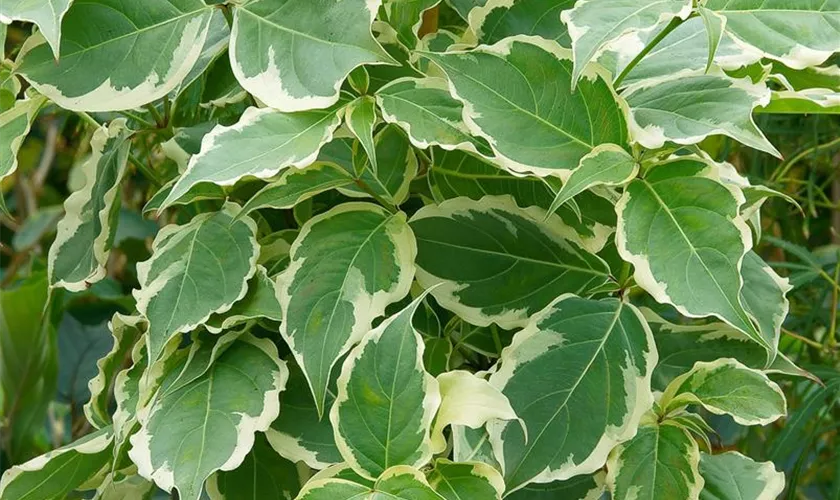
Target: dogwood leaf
x=498 y=19
x=46 y=14
x=455 y=481
x=263 y=474
x=730 y=473
x=607 y=164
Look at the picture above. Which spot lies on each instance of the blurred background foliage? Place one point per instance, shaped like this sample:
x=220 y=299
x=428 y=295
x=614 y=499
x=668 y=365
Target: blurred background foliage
x=49 y=344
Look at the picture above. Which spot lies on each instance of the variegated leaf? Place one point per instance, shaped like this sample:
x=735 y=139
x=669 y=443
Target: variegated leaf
x=117 y=55
x=14 y=126
x=299 y=434
x=196 y=269
x=576 y=358
x=294 y=56
x=386 y=400
x=406 y=17
x=457 y=481
x=261 y=144
x=534 y=123
x=297 y=185
x=46 y=14
x=686 y=108
x=84 y=236
x=428 y=114
x=397 y=483
x=363 y=257
x=607 y=164
x=499 y=19
x=499 y=263
x=730 y=476
x=360 y=118
x=727 y=387
x=595 y=24
x=583 y=487
x=259 y=302
x=80 y=465
x=209 y=417
x=397 y=166
x=661 y=462
x=679 y=260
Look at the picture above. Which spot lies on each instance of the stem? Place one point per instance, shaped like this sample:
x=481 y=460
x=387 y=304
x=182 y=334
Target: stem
x=147 y=172
x=653 y=43
x=89 y=119
x=137 y=118
x=155 y=114
x=831 y=338
x=808 y=341
x=390 y=206
x=796 y=159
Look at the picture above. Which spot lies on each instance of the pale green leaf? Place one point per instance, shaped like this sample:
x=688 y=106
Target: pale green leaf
x=799 y=33
x=594 y=24
x=386 y=400
x=406 y=17
x=211 y=417
x=334 y=489
x=119 y=486
x=763 y=296
x=61 y=471
x=397 y=483
x=499 y=19
x=294 y=56
x=261 y=144
x=127 y=331
x=198 y=192
x=296 y=185
x=467 y=400
x=363 y=257
x=47 y=14
x=458 y=481
x=472 y=445
x=688 y=107
x=360 y=118
x=578 y=376
x=78 y=256
x=534 y=123
x=196 y=269
x=118 y=55
x=14 y=126
x=714 y=25
x=660 y=463
x=218 y=34
x=428 y=114
x=727 y=387
x=607 y=164
x=681 y=230
x=732 y=476
x=259 y=302
x=299 y=434
x=499 y=263
x=262 y=475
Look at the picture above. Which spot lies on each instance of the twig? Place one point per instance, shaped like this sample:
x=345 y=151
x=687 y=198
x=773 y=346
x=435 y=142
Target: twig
x=650 y=46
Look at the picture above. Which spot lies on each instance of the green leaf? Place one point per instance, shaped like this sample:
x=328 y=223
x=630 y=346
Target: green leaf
x=583 y=487
x=680 y=346
x=259 y=302
x=534 y=123
x=467 y=400
x=660 y=463
x=277 y=49
x=207 y=424
x=76 y=466
x=436 y=355
x=730 y=476
x=296 y=185
x=14 y=126
x=28 y=364
x=457 y=481
x=261 y=144
x=118 y=56
x=594 y=24
x=360 y=118
x=688 y=107
x=39 y=224
x=216 y=43
x=578 y=376
x=714 y=25
x=763 y=296
x=397 y=166
x=679 y=227
x=263 y=474
x=196 y=269
x=126 y=331
x=607 y=164
x=499 y=19
x=199 y=192
x=299 y=434
x=397 y=483
x=78 y=256
x=79 y=347
x=119 y=486
x=386 y=400
x=423 y=108
x=797 y=33
x=499 y=263
x=334 y=489
x=47 y=14
x=363 y=257
x=455 y=173
x=727 y=387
